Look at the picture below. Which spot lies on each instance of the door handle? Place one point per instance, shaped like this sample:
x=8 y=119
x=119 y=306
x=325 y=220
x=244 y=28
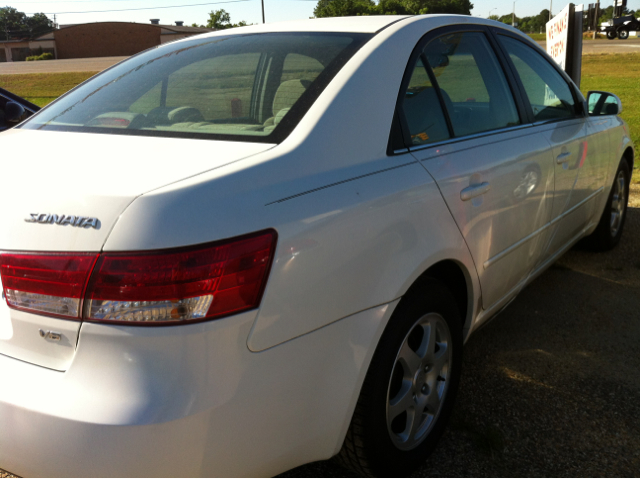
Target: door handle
x=563 y=157
x=474 y=190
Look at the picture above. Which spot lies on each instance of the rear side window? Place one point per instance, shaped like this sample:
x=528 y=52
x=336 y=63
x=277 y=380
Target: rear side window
x=239 y=87
x=475 y=91
x=422 y=110
x=548 y=93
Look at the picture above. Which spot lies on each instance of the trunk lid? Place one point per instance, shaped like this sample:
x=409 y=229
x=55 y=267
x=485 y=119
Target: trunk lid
x=64 y=192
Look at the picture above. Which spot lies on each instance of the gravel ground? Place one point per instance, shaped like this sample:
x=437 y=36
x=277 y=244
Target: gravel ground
x=551 y=386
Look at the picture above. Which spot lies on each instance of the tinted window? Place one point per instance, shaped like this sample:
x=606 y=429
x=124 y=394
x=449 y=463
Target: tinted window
x=548 y=92
x=242 y=87
x=422 y=109
x=474 y=88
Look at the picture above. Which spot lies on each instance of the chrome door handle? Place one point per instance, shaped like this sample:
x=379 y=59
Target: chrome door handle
x=474 y=190
x=563 y=157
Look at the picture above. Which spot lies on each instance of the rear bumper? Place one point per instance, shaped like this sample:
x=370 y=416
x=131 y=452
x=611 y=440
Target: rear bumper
x=186 y=401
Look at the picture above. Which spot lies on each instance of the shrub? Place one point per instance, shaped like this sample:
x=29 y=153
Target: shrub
x=44 y=56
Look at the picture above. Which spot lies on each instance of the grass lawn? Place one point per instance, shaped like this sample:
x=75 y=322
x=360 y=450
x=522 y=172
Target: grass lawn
x=42 y=88
x=538 y=37
x=541 y=37
x=618 y=74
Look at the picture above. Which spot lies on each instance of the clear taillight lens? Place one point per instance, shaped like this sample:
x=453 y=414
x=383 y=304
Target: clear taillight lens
x=46 y=283
x=163 y=287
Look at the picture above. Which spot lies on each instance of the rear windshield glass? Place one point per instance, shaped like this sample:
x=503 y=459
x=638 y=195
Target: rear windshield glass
x=238 y=87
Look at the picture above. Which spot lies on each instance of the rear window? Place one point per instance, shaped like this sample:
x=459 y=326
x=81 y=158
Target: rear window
x=238 y=87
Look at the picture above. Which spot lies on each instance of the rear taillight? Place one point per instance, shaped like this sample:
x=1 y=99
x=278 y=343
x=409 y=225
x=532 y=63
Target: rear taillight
x=46 y=283
x=163 y=287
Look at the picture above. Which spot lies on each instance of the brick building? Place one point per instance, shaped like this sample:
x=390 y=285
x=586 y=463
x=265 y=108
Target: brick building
x=101 y=39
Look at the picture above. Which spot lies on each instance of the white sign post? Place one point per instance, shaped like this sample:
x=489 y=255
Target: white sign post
x=558 y=37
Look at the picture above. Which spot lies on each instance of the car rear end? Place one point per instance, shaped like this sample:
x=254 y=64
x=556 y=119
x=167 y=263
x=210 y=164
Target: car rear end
x=123 y=352
x=104 y=355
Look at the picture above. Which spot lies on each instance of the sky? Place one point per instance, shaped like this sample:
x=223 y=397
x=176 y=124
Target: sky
x=248 y=10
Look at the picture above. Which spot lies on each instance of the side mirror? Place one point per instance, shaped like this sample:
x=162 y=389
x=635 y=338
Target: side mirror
x=603 y=103
x=13 y=112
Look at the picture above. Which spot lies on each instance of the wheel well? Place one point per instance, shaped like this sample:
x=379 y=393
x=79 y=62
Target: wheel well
x=628 y=155
x=452 y=276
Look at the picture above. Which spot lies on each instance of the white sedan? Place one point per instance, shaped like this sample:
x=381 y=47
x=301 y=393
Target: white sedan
x=242 y=252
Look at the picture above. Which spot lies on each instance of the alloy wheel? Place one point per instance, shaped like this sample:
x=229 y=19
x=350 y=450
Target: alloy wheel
x=618 y=203
x=419 y=381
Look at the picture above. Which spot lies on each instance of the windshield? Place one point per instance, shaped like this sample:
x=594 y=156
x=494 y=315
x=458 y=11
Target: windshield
x=252 y=87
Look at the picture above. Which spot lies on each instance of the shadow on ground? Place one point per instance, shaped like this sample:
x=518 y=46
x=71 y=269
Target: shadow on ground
x=551 y=386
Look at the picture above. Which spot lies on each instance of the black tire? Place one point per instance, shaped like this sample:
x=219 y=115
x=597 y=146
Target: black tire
x=606 y=237
x=623 y=33
x=612 y=35
x=371 y=447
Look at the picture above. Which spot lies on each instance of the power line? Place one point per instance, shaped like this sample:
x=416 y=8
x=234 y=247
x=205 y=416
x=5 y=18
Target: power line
x=144 y=8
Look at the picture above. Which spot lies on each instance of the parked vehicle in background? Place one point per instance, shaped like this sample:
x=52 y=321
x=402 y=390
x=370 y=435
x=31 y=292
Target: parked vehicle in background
x=620 y=27
x=235 y=254
x=14 y=109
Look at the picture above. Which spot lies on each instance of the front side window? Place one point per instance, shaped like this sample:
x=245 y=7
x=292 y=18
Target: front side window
x=239 y=87
x=473 y=86
x=548 y=93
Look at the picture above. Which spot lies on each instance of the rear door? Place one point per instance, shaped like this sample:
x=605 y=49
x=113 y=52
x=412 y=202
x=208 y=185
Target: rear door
x=468 y=127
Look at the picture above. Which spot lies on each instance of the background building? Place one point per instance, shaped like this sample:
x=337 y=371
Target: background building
x=102 y=39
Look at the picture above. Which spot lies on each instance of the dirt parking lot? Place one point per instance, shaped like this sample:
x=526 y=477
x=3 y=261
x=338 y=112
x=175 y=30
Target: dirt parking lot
x=551 y=386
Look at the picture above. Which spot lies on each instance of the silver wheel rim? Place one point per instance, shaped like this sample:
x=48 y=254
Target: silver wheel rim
x=618 y=203
x=419 y=381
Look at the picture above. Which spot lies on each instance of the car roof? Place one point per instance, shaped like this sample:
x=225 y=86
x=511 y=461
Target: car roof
x=361 y=24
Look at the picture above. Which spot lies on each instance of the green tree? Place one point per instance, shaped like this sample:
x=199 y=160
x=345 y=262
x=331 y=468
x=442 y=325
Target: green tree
x=343 y=8
x=507 y=19
x=39 y=24
x=391 y=7
x=421 y=7
x=606 y=15
x=15 y=24
x=221 y=20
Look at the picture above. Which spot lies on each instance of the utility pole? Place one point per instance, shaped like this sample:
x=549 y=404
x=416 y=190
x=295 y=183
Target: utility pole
x=550 y=8
x=513 y=15
x=262 y=11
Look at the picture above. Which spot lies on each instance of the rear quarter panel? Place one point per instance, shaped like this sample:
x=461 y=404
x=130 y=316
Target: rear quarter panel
x=356 y=227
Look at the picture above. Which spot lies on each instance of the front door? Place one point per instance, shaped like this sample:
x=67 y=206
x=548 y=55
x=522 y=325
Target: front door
x=558 y=115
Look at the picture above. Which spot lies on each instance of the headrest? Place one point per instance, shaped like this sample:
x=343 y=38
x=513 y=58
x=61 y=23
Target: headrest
x=185 y=113
x=288 y=93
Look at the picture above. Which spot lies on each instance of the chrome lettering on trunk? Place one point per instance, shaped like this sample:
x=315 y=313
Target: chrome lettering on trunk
x=64 y=220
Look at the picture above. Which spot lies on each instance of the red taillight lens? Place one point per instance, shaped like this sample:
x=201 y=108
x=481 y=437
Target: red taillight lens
x=163 y=287
x=183 y=285
x=46 y=283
